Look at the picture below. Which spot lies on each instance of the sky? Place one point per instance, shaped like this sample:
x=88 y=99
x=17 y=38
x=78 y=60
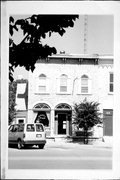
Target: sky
x=99 y=38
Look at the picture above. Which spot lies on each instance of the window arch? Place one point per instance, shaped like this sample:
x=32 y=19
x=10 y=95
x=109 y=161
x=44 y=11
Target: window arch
x=42 y=76
x=84 y=83
x=63 y=83
x=63 y=106
x=41 y=106
x=84 y=76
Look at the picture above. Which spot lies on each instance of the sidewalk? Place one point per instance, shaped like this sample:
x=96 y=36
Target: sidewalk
x=76 y=144
x=103 y=144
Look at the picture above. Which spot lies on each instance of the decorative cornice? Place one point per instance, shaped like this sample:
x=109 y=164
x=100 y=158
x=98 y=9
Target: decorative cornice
x=105 y=66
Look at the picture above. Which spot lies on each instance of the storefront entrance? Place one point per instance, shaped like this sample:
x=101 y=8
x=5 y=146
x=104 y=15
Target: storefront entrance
x=61 y=123
x=108 y=122
x=63 y=120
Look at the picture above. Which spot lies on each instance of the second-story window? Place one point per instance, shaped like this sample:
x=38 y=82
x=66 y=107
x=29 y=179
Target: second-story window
x=42 y=83
x=111 y=83
x=63 y=83
x=84 y=84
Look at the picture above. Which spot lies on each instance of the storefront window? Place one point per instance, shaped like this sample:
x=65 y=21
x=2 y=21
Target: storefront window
x=42 y=111
x=42 y=118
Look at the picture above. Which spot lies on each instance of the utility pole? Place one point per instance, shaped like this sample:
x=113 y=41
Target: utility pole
x=85 y=33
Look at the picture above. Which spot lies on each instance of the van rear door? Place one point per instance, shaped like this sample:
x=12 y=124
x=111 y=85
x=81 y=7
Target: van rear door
x=40 y=132
x=34 y=132
x=30 y=133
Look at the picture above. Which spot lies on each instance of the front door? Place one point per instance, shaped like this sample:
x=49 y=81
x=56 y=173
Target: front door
x=61 y=123
x=108 y=122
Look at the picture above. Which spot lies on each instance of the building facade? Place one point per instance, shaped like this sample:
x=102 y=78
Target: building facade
x=21 y=100
x=62 y=80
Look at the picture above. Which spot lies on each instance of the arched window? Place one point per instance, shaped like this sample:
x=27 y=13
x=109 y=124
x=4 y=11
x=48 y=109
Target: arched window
x=42 y=83
x=84 y=84
x=42 y=113
x=63 y=83
x=63 y=107
x=42 y=76
x=41 y=107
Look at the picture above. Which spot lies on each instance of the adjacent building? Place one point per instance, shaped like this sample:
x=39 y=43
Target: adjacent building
x=61 y=80
x=21 y=100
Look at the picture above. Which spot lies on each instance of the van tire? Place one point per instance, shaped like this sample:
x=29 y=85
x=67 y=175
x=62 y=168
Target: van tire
x=19 y=144
x=41 y=146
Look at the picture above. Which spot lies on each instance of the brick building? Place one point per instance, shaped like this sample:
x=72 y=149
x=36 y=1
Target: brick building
x=62 y=80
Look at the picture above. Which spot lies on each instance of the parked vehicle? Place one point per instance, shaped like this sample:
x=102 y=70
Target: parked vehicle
x=27 y=134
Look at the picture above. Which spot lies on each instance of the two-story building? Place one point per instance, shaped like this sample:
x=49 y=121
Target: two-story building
x=64 y=79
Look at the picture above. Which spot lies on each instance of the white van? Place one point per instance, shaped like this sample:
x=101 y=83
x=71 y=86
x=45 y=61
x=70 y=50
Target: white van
x=27 y=134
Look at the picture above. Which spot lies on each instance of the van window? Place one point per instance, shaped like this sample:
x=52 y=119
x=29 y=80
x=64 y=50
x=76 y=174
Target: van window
x=39 y=128
x=30 y=128
x=15 y=129
x=11 y=128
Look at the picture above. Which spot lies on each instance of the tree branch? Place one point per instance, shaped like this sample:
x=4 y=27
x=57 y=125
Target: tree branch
x=24 y=39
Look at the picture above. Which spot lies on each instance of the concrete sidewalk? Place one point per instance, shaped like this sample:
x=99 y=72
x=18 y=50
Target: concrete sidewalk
x=78 y=144
x=102 y=144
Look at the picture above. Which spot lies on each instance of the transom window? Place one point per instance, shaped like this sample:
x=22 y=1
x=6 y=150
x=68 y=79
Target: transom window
x=63 y=83
x=41 y=106
x=111 y=83
x=84 y=84
x=63 y=107
x=42 y=83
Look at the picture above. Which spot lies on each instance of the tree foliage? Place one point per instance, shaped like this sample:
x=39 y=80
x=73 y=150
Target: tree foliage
x=86 y=114
x=34 y=28
x=12 y=97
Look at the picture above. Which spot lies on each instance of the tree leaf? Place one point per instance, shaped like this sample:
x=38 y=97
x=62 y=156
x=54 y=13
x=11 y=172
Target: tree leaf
x=11 y=19
x=11 y=30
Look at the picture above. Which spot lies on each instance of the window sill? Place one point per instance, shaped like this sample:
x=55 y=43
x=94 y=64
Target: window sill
x=84 y=94
x=44 y=93
x=110 y=93
x=63 y=93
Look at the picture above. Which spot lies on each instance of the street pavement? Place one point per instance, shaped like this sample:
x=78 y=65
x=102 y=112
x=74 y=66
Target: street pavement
x=62 y=155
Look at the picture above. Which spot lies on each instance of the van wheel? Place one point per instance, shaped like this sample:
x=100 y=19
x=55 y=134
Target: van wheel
x=41 y=146
x=19 y=144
